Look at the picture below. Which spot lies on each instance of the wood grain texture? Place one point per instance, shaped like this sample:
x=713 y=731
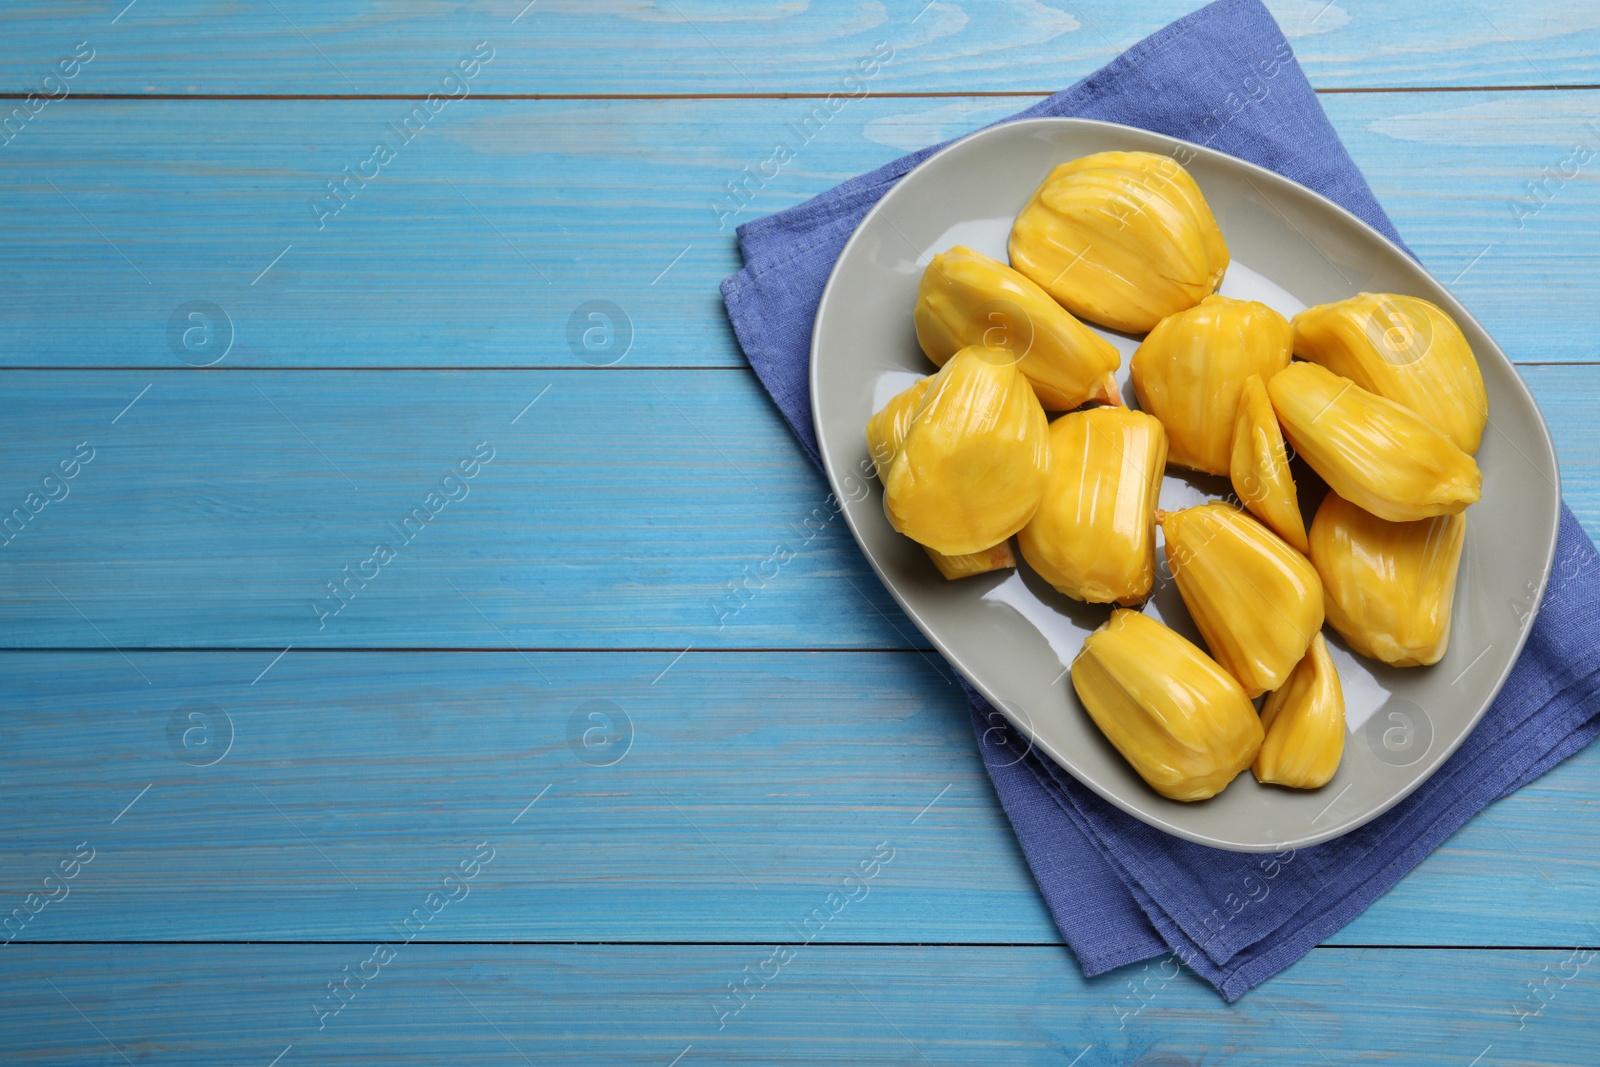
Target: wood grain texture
x=479 y=242
x=625 y=509
x=828 y=1005
x=720 y=797
x=615 y=513
x=722 y=46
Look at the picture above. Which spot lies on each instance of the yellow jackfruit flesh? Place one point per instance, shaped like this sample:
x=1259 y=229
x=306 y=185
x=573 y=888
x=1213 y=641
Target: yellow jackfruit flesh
x=886 y=431
x=1389 y=585
x=998 y=558
x=1259 y=466
x=963 y=459
x=1304 y=724
x=1403 y=348
x=1093 y=537
x=1370 y=450
x=1181 y=720
x=1190 y=371
x=966 y=298
x=1122 y=239
x=1256 y=601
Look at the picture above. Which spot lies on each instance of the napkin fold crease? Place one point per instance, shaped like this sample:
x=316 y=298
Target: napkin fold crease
x=1121 y=891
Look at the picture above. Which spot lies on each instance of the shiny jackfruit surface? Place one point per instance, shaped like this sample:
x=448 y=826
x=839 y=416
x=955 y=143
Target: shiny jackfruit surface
x=1370 y=450
x=1304 y=724
x=1259 y=466
x=886 y=431
x=1256 y=601
x=1190 y=372
x=1122 y=239
x=966 y=468
x=998 y=558
x=1389 y=585
x=1181 y=720
x=1403 y=348
x=966 y=298
x=1093 y=537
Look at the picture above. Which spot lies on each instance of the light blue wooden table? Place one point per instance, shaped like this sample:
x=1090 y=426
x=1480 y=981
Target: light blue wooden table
x=528 y=751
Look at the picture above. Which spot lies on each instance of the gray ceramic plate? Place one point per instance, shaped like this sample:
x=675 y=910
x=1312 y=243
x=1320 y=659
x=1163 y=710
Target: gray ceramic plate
x=1013 y=636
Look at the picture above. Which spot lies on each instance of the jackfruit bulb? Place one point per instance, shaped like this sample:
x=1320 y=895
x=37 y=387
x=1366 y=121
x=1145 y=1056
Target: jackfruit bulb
x=1390 y=585
x=1122 y=239
x=1181 y=720
x=966 y=298
x=998 y=558
x=1190 y=373
x=1370 y=450
x=1403 y=348
x=1256 y=601
x=963 y=455
x=1093 y=537
x=1259 y=466
x=1304 y=724
x=886 y=431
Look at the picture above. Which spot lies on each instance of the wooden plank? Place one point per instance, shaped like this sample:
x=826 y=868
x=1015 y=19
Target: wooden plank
x=620 y=509
x=485 y=242
x=828 y=1004
x=625 y=509
x=750 y=785
x=1494 y=192
x=720 y=797
x=458 y=254
x=719 y=46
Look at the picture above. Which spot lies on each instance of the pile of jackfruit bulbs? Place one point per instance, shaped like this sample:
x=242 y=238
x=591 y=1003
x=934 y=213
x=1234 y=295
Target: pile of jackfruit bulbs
x=1385 y=403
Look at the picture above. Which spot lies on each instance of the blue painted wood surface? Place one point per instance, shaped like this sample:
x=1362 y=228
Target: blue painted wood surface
x=653 y=47
x=477 y=244
x=719 y=795
x=562 y=1004
x=571 y=594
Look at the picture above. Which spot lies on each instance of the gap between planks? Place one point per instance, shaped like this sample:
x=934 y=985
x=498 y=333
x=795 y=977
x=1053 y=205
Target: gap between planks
x=454 y=649
x=525 y=367
x=931 y=95
x=428 y=367
x=1563 y=946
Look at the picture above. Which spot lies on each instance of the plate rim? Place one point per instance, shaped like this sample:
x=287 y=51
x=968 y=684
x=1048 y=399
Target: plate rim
x=1284 y=184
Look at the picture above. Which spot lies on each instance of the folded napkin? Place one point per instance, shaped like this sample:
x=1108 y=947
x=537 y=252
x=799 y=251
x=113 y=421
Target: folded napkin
x=1121 y=891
